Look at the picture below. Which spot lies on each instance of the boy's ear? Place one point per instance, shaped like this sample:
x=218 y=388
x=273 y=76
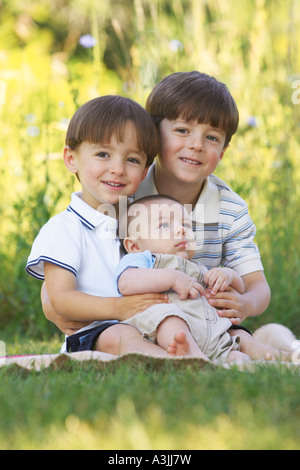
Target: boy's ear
x=131 y=245
x=70 y=159
x=223 y=151
x=145 y=173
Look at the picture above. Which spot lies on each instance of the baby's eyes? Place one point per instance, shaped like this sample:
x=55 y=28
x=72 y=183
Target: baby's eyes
x=163 y=225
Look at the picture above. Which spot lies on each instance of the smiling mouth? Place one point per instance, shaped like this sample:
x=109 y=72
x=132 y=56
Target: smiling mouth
x=192 y=162
x=113 y=185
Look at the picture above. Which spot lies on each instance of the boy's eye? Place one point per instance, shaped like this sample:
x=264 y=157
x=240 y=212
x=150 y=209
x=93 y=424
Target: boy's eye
x=163 y=225
x=212 y=138
x=102 y=154
x=182 y=130
x=134 y=160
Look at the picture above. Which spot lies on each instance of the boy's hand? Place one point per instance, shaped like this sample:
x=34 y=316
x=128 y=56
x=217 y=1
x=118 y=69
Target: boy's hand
x=237 y=306
x=130 y=305
x=218 y=279
x=69 y=327
x=186 y=287
x=229 y=304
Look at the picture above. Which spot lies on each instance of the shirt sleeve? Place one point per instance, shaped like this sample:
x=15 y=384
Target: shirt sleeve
x=56 y=243
x=134 y=260
x=239 y=250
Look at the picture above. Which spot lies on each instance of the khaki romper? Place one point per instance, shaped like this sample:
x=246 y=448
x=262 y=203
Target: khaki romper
x=208 y=329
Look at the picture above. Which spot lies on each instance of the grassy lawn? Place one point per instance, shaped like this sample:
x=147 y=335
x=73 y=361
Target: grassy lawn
x=138 y=405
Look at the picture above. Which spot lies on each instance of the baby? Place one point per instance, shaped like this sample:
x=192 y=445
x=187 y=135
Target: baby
x=160 y=243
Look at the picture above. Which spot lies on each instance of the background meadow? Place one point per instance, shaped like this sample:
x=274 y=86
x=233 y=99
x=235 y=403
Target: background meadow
x=57 y=54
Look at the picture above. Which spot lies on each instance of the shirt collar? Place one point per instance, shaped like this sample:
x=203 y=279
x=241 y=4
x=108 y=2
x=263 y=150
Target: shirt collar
x=89 y=217
x=208 y=204
x=147 y=186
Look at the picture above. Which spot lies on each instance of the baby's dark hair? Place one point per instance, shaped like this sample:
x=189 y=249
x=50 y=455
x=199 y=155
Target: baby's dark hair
x=194 y=96
x=152 y=198
x=97 y=120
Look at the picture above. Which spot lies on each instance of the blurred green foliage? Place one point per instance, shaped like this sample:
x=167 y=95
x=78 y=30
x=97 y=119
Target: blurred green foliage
x=47 y=71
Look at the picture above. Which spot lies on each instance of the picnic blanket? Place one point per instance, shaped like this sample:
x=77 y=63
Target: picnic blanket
x=66 y=361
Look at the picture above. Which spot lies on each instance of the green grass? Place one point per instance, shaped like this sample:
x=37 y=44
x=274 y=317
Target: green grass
x=144 y=405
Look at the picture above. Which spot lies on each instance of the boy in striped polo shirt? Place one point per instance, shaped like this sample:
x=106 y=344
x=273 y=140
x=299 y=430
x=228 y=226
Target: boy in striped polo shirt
x=196 y=117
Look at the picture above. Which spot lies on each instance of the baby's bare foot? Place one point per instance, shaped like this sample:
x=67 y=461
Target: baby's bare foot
x=179 y=346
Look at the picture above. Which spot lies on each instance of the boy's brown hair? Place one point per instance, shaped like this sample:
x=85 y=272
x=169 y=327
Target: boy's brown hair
x=98 y=119
x=194 y=96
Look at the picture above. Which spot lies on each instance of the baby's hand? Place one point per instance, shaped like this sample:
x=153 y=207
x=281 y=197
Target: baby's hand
x=218 y=279
x=186 y=287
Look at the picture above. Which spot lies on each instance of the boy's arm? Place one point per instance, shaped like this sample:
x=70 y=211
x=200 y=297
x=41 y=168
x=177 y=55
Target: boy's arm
x=71 y=304
x=241 y=253
x=257 y=293
x=141 y=280
x=68 y=327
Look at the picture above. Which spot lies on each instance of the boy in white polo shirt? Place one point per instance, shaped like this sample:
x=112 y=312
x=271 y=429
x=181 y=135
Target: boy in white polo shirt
x=110 y=143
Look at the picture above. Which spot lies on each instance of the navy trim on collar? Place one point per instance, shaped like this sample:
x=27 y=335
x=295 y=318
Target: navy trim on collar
x=82 y=219
x=89 y=217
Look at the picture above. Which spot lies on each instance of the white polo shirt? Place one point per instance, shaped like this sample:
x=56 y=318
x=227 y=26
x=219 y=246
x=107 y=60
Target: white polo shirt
x=223 y=228
x=83 y=241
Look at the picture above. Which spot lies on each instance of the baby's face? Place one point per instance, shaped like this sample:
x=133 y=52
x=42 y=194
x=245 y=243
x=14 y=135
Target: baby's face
x=164 y=227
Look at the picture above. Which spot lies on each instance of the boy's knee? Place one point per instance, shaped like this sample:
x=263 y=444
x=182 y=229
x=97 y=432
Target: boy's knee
x=110 y=340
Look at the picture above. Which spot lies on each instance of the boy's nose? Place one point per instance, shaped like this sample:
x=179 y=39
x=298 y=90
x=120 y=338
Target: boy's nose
x=117 y=168
x=196 y=142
